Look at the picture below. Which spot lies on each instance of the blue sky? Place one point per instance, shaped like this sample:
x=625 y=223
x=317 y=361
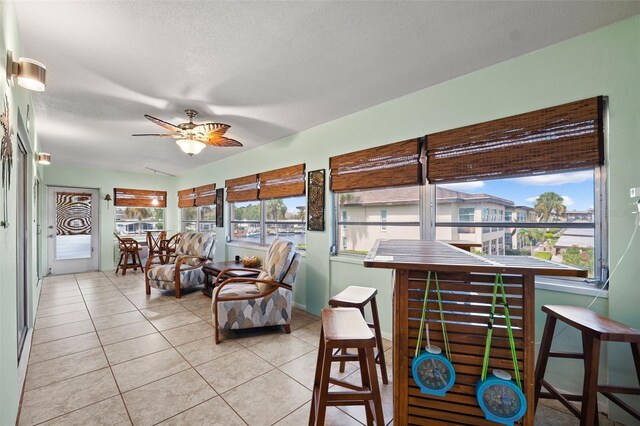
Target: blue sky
x=575 y=187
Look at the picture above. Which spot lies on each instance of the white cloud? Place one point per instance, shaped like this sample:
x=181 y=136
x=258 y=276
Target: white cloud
x=568 y=201
x=557 y=179
x=531 y=200
x=463 y=185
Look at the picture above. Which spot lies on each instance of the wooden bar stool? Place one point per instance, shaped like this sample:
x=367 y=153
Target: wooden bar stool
x=345 y=328
x=594 y=328
x=358 y=297
x=128 y=248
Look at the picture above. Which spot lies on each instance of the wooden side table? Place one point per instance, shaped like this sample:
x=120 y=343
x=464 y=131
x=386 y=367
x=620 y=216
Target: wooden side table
x=212 y=269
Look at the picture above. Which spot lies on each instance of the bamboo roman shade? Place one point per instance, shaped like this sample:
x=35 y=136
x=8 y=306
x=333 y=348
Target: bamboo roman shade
x=281 y=183
x=396 y=164
x=563 y=137
x=205 y=195
x=186 y=198
x=123 y=197
x=242 y=189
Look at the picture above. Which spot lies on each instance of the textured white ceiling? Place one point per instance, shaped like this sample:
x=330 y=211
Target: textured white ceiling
x=269 y=69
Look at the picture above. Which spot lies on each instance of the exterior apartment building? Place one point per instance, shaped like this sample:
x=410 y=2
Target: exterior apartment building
x=401 y=205
x=517 y=214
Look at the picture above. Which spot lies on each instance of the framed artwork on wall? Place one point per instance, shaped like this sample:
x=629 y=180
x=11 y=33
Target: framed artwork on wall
x=315 y=200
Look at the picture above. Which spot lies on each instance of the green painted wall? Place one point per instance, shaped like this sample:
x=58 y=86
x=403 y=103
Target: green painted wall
x=604 y=62
x=105 y=181
x=18 y=100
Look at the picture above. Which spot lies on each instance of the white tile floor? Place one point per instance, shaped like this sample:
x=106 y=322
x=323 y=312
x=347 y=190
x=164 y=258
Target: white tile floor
x=105 y=353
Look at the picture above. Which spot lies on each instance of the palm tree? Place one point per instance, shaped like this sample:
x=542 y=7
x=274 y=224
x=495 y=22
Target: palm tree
x=548 y=205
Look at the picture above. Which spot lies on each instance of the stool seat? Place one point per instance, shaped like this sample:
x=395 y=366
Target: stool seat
x=586 y=320
x=354 y=295
x=345 y=327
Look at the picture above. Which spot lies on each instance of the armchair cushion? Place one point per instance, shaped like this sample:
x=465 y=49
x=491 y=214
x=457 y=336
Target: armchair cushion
x=162 y=277
x=277 y=262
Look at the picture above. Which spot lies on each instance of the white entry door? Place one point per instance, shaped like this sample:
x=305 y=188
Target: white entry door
x=72 y=230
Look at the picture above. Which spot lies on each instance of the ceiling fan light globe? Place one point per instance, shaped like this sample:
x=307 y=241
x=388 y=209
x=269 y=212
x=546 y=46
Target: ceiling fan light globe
x=190 y=146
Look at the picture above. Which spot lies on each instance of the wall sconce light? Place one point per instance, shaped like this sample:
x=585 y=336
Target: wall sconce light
x=44 y=158
x=107 y=198
x=30 y=74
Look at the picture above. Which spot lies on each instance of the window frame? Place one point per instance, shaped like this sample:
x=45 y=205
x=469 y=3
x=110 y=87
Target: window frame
x=142 y=234
x=263 y=223
x=197 y=221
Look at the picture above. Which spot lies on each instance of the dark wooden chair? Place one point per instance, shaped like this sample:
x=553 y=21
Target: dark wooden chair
x=168 y=247
x=129 y=249
x=345 y=328
x=594 y=328
x=154 y=241
x=359 y=297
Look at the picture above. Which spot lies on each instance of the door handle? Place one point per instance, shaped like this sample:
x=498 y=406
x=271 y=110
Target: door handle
x=49 y=236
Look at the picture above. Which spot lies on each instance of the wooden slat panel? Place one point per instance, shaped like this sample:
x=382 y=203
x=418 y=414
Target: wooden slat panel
x=186 y=198
x=242 y=189
x=281 y=183
x=205 y=195
x=124 y=197
x=520 y=144
x=395 y=164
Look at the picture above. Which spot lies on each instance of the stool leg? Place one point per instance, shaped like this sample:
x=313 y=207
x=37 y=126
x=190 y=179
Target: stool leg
x=377 y=401
x=591 y=349
x=126 y=263
x=119 y=262
x=366 y=383
x=543 y=356
x=316 y=380
x=323 y=396
x=635 y=351
x=380 y=355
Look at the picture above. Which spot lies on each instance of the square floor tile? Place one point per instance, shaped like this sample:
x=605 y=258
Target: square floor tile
x=175 y=320
x=124 y=332
x=63 y=397
x=110 y=412
x=135 y=348
x=333 y=417
x=303 y=369
x=140 y=371
x=62 y=347
x=61 y=309
x=117 y=320
x=204 y=350
x=309 y=334
x=232 y=370
x=188 y=333
x=280 y=348
x=267 y=398
x=61 y=331
x=59 y=369
x=115 y=307
x=214 y=412
x=165 y=398
x=60 y=319
x=161 y=311
x=46 y=302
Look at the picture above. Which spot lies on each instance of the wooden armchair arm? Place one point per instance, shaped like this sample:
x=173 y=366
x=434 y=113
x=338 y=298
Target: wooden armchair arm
x=275 y=285
x=181 y=267
x=162 y=257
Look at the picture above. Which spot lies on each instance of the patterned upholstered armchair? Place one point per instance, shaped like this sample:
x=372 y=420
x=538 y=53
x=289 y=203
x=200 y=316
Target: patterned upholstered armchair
x=262 y=301
x=183 y=268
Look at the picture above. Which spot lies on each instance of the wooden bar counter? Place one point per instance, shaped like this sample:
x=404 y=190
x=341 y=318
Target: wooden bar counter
x=466 y=282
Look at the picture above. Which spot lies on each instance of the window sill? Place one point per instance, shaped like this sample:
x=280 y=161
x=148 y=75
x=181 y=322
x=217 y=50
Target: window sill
x=542 y=283
x=257 y=247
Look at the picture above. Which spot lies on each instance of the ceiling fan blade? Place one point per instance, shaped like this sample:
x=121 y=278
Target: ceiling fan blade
x=162 y=135
x=208 y=128
x=223 y=142
x=163 y=123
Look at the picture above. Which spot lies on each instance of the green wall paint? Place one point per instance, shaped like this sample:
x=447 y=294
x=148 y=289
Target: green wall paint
x=604 y=62
x=105 y=181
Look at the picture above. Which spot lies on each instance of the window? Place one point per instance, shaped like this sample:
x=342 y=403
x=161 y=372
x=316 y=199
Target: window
x=530 y=184
x=135 y=221
x=367 y=221
x=199 y=219
x=260 y=222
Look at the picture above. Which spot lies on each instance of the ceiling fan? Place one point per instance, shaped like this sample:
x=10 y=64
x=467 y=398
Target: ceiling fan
x=191 y=137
